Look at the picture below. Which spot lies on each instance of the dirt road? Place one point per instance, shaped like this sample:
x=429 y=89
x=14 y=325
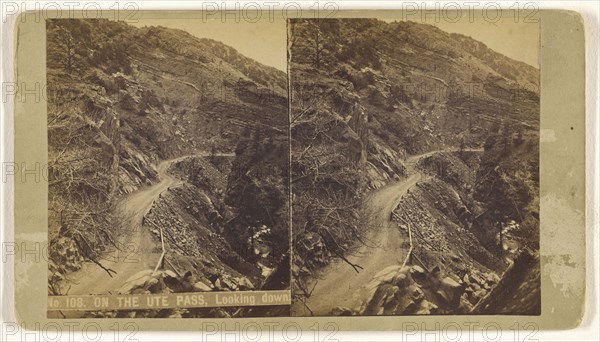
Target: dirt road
x=141 y=250
x=339 y=284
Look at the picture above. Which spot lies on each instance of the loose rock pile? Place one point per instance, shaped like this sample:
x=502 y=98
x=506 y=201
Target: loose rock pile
x=478 y=285
x=413 y=290
x=441 y=234
x=166 y=281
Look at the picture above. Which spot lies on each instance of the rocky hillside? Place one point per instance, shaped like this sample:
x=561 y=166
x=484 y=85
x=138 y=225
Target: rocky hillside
x=421 y=87
x=367 y=96
x=122 y=99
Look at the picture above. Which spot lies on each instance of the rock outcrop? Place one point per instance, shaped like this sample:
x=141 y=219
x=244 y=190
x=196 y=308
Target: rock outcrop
x=413 y=290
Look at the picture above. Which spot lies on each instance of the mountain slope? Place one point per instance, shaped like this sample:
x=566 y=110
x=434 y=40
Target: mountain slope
x=121 y=100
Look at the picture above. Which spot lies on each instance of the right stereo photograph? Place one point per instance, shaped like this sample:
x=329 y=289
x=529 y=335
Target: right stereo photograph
x=414 y=167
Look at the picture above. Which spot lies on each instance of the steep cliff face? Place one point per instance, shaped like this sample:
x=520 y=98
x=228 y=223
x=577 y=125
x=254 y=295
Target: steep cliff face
x=122 y=99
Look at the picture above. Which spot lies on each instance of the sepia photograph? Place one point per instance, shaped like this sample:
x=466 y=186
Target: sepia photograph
x=292 y=171
x=415 y=167
x=168 y=163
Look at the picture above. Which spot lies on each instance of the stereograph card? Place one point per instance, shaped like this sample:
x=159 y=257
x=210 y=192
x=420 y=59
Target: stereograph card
x=366 y=170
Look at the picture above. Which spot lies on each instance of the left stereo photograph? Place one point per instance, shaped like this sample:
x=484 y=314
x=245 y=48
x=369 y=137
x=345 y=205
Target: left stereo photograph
x=168 y=161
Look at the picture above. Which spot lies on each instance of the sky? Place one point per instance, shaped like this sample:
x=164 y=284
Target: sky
x=517 y=40
x=520 y=41
x=262 y=41
x=265 y=41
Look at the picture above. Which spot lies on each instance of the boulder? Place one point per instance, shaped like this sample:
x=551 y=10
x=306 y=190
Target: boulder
x=150 y=282
x=155 y=285
x=136 y=281
x=456 y=278
x=382 y=297
x=169 y=273
x=175 y=314
x=418 y=274
x=229 y=283
x=409 y=308
x=450 y=290
x=493 y=278
x=455 y=258
x=341 y=311
x=435 y=278
x=139 y=290
x=244 y=283
x=202 y=287
x=416 y=294
x=417 y=269
x=475 y=278
x=140 y=275
x=465 y=305
x=478 y=295
x=401 y=280
x=473 y=299
x=426 y=308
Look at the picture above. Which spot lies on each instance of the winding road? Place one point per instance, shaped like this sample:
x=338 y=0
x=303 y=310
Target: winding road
x=339 y=284
x=141 y=250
